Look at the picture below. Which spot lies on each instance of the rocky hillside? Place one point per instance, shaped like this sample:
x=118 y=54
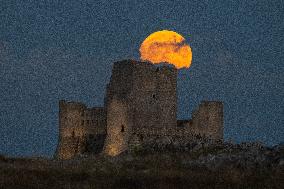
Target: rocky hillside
x=247 y=165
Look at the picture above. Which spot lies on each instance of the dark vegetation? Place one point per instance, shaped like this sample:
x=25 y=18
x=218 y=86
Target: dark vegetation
x=137 y=170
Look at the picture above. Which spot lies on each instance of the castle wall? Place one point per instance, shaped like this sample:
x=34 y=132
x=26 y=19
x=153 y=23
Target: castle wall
x=216 y=121
x=206 y=124
x=148 y=92
x=94 y=121
x=207 y=120
x=118 y=127
x=154 y=96
x=71 y=132
x=78 y=128
x=121 y=81
x=159 y=138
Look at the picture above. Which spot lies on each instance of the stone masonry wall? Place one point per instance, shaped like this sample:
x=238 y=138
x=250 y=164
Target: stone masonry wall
x=119 y=126
x=207 y=120
x=206 y=125
x=158 y=139
x=154 y=96
x=79 y=127
x=146 y=97
x=149 y=91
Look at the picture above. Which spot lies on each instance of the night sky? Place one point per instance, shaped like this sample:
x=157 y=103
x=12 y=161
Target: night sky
x=52 y=50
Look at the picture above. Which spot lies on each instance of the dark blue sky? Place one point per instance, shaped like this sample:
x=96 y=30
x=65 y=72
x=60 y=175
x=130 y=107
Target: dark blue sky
x=51 y=50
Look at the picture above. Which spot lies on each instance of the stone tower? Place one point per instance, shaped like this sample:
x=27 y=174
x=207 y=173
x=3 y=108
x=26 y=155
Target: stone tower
x=139 y=95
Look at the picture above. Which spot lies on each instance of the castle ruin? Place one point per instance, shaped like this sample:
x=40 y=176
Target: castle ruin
x=140 y=104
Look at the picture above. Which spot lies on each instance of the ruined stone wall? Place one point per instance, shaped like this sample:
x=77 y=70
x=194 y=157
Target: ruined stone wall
x=207 y=120
x=119 y=127
x=146 y=97
x=71 y=132
x=216 y=120
x=78 y=127
x=94 y=120
x=206 y=125
x=161 y=138
x=154 y=96
x=150 y=92
x=121 y=81
x=117 y=102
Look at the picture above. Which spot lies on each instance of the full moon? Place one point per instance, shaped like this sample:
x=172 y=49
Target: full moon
x=166 y=46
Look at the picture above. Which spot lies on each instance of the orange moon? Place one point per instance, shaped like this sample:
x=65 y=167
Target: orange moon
x=166 y=46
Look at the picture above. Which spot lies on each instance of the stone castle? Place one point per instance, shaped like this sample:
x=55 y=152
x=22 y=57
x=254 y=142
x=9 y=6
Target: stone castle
x=140 y=105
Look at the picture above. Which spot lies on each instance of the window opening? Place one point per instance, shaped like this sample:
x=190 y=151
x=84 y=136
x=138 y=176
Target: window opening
x=122 y=128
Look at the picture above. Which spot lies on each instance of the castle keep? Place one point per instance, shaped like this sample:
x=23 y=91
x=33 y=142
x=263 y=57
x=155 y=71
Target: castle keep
x=140 y=107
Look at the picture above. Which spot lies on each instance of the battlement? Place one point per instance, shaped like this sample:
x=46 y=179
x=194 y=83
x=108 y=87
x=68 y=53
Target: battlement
x=71 y=105
x=120 y=65
x=129 y=67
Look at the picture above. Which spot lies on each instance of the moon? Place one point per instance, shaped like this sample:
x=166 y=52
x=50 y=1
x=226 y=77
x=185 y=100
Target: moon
x=166 y=46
